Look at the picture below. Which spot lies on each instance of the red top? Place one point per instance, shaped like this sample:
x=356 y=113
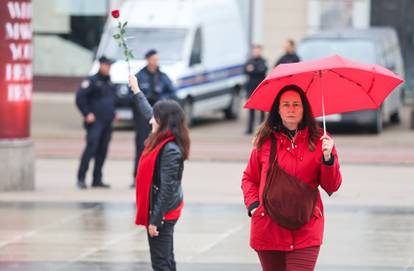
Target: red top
x=306 y=166
x=174 y=214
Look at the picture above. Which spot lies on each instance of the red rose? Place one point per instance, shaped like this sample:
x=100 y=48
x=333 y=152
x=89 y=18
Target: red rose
x=115 y=13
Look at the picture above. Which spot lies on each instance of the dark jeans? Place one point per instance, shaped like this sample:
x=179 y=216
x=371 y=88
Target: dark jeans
x=162 y=247
x=250 y=122
x=297 y=260
x=98 y=136
x=142 y=130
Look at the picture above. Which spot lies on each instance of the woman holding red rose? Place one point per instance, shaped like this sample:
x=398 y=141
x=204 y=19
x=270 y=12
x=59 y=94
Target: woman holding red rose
x=159 y=195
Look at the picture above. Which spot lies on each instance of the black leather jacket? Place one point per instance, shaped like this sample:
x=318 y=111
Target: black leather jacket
x=166 y=190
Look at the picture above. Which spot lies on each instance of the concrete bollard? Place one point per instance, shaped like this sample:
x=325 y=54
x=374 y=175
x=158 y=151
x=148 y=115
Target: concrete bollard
x=17 y=165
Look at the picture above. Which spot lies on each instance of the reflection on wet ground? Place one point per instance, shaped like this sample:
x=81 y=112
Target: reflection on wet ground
x=89 y=236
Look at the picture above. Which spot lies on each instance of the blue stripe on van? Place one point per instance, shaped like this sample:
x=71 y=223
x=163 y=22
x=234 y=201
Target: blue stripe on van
x=209 y=76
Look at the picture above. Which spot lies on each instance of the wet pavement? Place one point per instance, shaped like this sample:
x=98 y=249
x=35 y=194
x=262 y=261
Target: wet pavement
x=102 y=236
x=369 y=222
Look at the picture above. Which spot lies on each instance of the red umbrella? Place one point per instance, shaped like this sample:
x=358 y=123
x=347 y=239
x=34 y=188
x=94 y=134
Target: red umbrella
x=333 y=85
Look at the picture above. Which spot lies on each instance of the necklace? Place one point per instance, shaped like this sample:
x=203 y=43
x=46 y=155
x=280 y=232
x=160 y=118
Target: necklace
x=292 y=138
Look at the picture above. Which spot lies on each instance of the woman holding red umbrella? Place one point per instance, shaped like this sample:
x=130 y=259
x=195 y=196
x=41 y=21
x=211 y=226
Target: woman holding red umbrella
x=291 y=158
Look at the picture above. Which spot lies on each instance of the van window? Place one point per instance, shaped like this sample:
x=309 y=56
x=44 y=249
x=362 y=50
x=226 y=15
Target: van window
x=391 y=56
x=167 y=41
x=359 y=50
x=196 y=51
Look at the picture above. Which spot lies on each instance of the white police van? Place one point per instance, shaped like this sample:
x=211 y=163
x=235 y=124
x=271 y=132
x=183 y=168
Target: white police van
x=202 y=46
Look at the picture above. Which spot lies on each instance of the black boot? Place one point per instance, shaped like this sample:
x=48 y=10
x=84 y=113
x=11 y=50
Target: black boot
x=100 y=184
x=81 y=184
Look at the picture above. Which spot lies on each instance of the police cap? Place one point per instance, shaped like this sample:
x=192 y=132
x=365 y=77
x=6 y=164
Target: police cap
x=150 y=53
x=105 y=60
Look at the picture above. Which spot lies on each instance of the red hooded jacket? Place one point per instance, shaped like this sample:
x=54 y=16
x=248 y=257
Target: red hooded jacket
x=302 y=163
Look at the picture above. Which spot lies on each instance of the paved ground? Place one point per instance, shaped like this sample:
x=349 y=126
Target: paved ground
x=370 y=221
x=101 y=236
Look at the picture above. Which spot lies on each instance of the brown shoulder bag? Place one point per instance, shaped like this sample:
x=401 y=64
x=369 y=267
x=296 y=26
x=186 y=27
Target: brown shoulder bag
x=287 y=200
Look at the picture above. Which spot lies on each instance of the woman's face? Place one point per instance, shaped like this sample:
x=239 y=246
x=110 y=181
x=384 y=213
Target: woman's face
x=154 y=125
x=291 y=109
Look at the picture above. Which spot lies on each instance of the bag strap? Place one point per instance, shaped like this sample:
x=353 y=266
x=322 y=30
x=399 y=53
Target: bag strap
x=272 y=156
x=273 y=147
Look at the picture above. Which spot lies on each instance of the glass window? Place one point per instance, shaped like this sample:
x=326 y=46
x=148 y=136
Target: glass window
x=168 y=42
x=196 y=51
x=362 y=51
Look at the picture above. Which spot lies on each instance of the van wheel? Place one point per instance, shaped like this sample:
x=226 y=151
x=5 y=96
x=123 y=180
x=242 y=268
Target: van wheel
x=188 y=111
x=378 y=124
x=233 y=111
x=395 y=118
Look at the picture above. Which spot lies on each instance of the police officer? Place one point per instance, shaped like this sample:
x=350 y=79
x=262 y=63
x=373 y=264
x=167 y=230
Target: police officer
x=156 y=86
x=96 y=101
x=290 y=55
x=255 y=69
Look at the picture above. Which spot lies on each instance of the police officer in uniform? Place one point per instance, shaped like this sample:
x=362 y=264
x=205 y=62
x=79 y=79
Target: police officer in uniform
x=255 y=69
x=96 y=101
x=156 y=86
x=290 y=55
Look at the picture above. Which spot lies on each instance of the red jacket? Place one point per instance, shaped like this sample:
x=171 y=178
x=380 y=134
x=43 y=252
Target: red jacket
x=306 y=166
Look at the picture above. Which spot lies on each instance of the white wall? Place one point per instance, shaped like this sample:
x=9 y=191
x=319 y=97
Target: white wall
x=258 y=22
x=47 y=19
x=55 y=56
x=282 y=20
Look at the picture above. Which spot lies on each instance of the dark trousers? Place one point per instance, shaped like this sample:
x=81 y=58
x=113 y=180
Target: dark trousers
x=251 y=118
x=98 y=135
x=297 y=260
x=162 y=247
x=142 y=130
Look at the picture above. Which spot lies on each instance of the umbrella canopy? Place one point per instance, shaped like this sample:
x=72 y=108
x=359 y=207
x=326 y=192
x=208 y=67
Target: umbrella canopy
x=333 y=85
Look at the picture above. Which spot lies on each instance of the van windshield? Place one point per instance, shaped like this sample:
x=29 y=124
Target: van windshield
x=358 y=50
x=168 y=42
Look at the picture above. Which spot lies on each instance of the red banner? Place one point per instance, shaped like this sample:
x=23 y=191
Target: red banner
x=15 y=68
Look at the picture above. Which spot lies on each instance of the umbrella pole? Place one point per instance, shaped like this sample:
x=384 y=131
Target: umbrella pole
x=323 y=112
x=323 y=105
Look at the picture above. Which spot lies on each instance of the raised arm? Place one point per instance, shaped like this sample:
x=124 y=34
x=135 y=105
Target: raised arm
x=141 y=101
